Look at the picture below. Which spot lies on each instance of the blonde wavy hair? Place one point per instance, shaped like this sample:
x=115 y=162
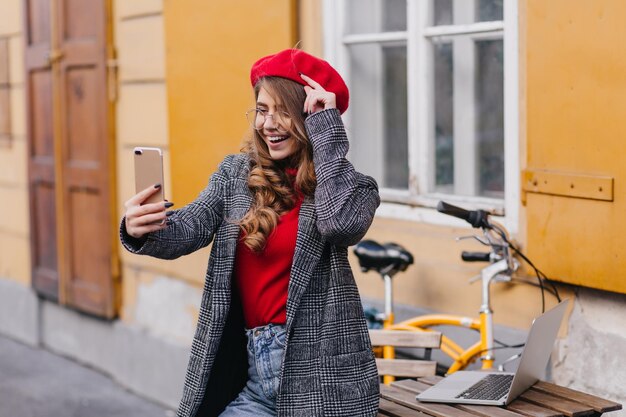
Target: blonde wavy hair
x=273 y=189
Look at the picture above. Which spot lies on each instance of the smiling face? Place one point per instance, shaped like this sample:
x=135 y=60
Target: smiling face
x=275 y=126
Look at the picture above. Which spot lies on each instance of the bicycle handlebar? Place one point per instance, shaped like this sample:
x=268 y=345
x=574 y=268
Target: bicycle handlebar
x=477 y=218
x=476 y=256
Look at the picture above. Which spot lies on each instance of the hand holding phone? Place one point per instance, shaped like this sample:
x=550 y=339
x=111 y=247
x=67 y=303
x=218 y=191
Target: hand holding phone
x=149 y=171
x=145 y=211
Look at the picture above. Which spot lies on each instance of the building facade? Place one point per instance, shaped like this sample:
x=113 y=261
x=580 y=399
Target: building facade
x=509 y=106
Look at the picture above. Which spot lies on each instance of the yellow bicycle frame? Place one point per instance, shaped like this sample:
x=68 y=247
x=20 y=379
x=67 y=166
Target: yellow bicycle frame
x=461 y=357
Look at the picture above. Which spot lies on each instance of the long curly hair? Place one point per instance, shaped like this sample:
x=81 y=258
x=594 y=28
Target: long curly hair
x=271 y=182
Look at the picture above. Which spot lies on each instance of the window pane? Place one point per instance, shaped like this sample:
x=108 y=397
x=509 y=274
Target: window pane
x=459 y=12
x=490 y=117
x=375 y=16
x=468 y=117
x=444 y=117
x=395 y=114
x=488 y=10
x=442 y=12
x=378 y=113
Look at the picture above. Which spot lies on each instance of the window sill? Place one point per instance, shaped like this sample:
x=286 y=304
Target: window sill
x=400 y=206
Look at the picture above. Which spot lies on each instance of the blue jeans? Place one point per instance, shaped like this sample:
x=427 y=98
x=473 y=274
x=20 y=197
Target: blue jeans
x=266 y=347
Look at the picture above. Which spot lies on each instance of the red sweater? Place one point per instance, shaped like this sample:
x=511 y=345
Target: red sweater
x=263 y=278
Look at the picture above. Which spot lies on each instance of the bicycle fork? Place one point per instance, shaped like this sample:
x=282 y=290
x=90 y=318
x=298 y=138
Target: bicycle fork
x=486 y=314
x=388 y=351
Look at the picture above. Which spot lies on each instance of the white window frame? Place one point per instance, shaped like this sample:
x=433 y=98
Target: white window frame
x=411 y=205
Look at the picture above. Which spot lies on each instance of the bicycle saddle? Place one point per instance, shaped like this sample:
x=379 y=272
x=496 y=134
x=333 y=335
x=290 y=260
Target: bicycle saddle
x=385 y=259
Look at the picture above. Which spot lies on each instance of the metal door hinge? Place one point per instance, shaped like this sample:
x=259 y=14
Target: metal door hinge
x=54 y=56
x=567 y=184
x=112 y=66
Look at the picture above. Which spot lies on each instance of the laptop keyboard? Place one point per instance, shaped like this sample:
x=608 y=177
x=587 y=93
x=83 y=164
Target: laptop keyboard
x=492 y=387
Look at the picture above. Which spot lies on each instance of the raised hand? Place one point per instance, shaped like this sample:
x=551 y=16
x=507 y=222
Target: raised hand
x=316 y=97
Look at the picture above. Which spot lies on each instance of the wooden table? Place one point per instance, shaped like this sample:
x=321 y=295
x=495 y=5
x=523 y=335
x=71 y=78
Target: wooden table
x=542 y=400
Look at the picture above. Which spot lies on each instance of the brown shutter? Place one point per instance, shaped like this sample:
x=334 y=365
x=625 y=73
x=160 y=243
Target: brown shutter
x=77 y=181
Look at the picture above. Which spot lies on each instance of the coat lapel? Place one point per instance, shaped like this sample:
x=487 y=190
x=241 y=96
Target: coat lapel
x=237 y=205
x=309 y=248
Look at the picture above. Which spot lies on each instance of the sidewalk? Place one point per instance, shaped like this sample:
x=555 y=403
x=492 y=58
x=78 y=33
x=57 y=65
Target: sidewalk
x=37 y=383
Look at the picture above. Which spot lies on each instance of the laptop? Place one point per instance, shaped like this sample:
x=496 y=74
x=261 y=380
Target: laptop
x=500 y=388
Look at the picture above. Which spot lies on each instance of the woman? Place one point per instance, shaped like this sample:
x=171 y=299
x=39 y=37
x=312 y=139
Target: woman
x=281 y=328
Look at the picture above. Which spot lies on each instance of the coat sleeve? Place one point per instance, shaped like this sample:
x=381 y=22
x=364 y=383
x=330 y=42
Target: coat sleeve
x=193 y=226
x=345 y=200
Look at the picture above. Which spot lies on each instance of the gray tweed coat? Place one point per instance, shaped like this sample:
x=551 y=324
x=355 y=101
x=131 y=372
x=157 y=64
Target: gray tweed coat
x=328 y=368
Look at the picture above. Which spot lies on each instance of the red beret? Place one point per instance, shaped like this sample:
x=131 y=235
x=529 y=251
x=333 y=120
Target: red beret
x=291 y=62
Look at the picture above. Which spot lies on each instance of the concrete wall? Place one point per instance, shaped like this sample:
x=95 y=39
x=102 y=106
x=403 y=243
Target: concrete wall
x=145 y=363
x=590 y=359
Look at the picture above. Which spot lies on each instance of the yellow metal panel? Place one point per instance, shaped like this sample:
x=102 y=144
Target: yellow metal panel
x=210 y=47
x=575 y=95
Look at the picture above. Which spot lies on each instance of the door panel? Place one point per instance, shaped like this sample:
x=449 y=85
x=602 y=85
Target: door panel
x=43 y=183
x=82 y=132
x=80 y=20
x=90 y=264
x=38 y=22
x=45 y=277
x=41 y=158
x=41 y=121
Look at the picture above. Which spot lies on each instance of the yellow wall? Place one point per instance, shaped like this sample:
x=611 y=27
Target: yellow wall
x=310 y=26
x=575 y=61
x=142 y=120
x=14 y=221
x=211 y=46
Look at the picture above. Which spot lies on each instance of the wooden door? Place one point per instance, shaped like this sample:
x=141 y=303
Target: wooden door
x=83 y=149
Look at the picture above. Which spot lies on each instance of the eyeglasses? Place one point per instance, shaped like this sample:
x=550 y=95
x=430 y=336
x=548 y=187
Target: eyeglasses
x=257 y=117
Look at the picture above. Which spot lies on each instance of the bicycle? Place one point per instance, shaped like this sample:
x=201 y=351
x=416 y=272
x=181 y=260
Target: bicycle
x=391 y=258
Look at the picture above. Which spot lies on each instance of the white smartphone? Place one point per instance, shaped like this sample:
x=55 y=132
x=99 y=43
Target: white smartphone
x=149 y=171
